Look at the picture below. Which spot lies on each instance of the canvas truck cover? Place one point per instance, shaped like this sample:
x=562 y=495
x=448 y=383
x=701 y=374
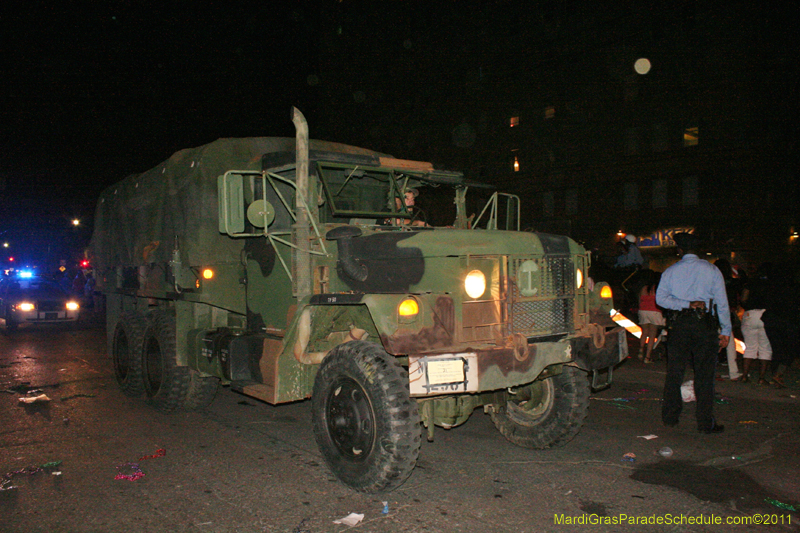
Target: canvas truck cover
x=138 y=219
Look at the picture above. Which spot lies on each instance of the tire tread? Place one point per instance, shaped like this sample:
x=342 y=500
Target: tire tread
x=563 y=422
x=132 y=325
x=171 y=396
x=399 y=445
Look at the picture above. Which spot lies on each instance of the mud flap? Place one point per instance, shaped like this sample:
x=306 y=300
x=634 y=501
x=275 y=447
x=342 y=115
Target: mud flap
x=597 y=372
x=600 y=351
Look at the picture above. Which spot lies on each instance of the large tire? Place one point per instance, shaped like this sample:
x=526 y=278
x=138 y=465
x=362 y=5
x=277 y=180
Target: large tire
x=165 y=383
x=545 y=413
x=126 y=354
x=365 y=423
x=201 y=391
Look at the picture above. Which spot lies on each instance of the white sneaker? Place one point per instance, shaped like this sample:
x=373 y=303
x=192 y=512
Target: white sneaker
x=735 y=376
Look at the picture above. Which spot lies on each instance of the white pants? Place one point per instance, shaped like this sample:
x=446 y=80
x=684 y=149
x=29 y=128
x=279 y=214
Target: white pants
x=755 y=336
x=733 y=367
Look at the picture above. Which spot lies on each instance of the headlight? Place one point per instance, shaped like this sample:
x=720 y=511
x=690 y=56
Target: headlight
x=25 y=306
x=72 y=306
x=605 y=292
x=578 y=278
x=475 y=284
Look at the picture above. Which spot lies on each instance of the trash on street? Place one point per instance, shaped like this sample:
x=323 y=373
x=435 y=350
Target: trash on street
x=34 y=399
x=350 y=520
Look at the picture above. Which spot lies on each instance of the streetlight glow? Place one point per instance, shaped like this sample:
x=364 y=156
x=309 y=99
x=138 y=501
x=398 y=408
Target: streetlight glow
x=642 y=66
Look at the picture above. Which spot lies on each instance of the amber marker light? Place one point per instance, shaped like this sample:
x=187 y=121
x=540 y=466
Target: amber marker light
x=605 y=292
x=408 y=307
x=208 y=273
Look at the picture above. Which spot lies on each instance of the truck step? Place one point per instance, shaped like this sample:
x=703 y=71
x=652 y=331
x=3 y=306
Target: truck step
x=255 y=390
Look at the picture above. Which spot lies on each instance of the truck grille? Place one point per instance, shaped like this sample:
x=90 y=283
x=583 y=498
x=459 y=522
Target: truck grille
x=541 y=295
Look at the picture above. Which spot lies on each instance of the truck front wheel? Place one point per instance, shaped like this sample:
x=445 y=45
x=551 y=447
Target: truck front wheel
x=545 y=413
x=365 y=423
x=165 y=383
x=126 y=354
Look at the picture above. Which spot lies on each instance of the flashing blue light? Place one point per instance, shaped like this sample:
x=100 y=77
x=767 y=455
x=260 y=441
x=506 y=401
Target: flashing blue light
x=25 y=274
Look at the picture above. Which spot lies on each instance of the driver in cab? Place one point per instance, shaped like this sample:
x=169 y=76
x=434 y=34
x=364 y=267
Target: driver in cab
x=409 y=200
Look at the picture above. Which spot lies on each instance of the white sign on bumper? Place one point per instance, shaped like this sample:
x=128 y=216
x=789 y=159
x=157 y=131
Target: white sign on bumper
x=443 y=374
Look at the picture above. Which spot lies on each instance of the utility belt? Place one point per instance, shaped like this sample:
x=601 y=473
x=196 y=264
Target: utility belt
x=707 y=317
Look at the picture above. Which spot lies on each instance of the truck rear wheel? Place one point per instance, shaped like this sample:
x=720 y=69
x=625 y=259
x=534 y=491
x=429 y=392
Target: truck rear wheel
x=365 y=423
x=165 y=383
x=545 y=413
x=126 y=354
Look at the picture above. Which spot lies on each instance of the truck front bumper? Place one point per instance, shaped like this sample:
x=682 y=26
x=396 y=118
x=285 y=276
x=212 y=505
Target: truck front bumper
x=484 y=370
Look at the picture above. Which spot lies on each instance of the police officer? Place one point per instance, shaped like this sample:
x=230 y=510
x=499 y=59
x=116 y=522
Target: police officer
x=693 y=290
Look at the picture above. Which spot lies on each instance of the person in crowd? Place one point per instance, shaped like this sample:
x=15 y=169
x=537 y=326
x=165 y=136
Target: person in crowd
x=781 y=321
x=78 y=284
x=65 y=282
x=88 y=291
x=693 y=289
x=630 y=255
x=650 y=317
x=756 y=300
x=733 y=289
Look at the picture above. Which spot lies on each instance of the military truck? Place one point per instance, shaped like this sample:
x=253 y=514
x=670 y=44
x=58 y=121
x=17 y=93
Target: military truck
x=284 y=269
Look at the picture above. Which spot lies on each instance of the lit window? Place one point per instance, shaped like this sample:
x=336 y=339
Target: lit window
x=514 y=122
x=549 y=112
x=691 y=136
x=516 y=164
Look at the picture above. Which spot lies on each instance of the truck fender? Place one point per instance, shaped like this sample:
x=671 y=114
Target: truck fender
x=304 y=335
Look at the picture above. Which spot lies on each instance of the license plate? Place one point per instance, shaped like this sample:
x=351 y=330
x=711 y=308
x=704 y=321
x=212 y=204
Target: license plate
x=51 y=316
x=442 y=374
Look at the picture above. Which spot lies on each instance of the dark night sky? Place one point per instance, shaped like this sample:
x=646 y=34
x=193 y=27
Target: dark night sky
x=99 y=92
x=93 y=91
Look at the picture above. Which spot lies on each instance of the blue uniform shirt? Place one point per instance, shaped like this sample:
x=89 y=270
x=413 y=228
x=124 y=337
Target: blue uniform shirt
x=692 y=279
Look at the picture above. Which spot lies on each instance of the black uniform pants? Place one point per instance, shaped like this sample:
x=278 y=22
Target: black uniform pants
x=691 y=341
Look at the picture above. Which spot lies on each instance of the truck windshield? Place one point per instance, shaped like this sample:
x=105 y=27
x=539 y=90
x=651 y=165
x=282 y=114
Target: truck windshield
x=374 y=192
